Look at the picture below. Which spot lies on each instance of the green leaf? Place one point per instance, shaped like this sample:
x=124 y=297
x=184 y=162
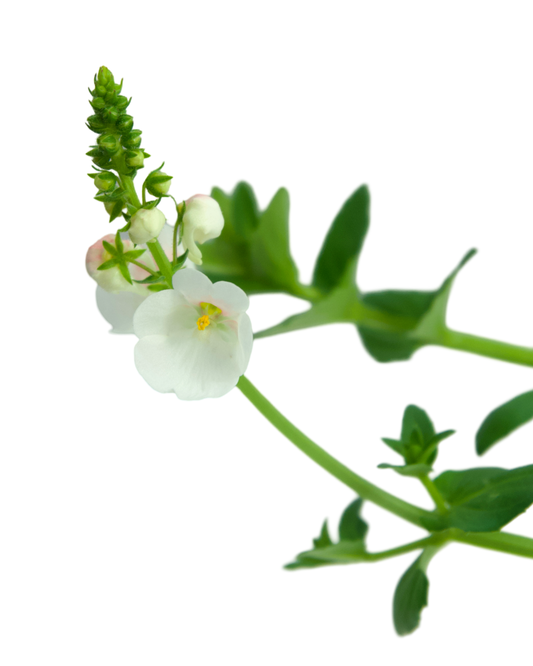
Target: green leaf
x=410 y=598
x=245 y=212
x=416 y=470
x=151 y=279
x=337 y=307
x=423 y=316
x=415 y=418
x=352 y=527
x=253 y=248
x=485 y=499
x=107 y=265
x=158 y=287
x=503 y=420
x=324 y=539
x=395 y=445
x=133 y=254
x=344 y=241
x=125 y=272
x=351 y=547
x=110 y=248
x=269 y=245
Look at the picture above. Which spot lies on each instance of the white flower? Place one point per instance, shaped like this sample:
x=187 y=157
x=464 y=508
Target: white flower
x=195 y=339
x=146 y=225
x=202 y=221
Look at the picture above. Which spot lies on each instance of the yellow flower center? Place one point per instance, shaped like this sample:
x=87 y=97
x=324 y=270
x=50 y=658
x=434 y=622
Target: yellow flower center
x=203 y=322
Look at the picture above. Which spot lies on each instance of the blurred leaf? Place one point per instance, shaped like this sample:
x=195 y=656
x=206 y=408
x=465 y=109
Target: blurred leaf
x=343 y=242
x=424 y=313
x=253 y=249
x=410 y=598
x=503 y=420
x=485 y=499
x=350 y=549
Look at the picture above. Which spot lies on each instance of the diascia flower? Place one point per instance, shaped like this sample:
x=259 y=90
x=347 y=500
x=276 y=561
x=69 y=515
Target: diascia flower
x=195 y=339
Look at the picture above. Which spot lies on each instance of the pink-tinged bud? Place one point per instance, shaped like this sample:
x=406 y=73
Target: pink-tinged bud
x=146 y=225
x=202 y=221
x=110 y=279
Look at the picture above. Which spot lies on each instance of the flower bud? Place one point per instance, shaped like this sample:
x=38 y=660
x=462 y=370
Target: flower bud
x=125 y=123
x=114 y=207
x=146 y=225
x=105 y=181
x=111 y=114
x=95 y=124
x=132 y=140
x=134 y=158
x=158 y=183
x=109 y=143
x=110 y=279
x=97 y=103
x=122 y=102
x=202 y=221
x=105 y=77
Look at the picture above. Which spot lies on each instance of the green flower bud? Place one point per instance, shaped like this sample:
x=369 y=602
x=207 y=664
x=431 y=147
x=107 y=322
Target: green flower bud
x=102 y=161
x=114 y=208
x=134 y=159
x=125 y=123
x=105 y=77
x=95 y=124
x=122 y=102
x=111 y=114
x=132 y=140
x=109 y=143
x=105 y=181
x=158 y=183
x=99 y=91
x=97 y=103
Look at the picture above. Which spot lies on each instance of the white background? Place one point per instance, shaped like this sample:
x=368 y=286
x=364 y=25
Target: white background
x=136 y=529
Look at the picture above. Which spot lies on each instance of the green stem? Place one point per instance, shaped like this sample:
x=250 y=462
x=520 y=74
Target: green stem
x=435 y=540
x=145 y=268
x=161 y=260
x=361 y=486
x=500 y=541
x=502 y=351
x=127 y=184
x=435 y=495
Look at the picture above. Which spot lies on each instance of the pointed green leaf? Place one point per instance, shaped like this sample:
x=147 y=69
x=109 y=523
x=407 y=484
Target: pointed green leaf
x=504 y=420
x=324 y=539
x=245 y=210
x=410 y=598
x=487 y=498
x=344 y=241
x=416 y=419
x=107 y=265
x=423 y=313
x=125 y=272
x=132 y=255
x=395 y=445
x=110 y=248
x=352 y=527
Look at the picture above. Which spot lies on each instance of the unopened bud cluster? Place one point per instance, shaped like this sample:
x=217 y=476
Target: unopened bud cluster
x=118 y=144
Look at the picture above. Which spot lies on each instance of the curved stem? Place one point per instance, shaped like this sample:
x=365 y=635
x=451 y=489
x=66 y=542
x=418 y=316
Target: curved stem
x=140 y=265
x=435 y=540
x=361 y=486
x=501 y=351
x=500 y=541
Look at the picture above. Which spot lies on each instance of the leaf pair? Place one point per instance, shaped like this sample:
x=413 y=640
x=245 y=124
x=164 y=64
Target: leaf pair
x=349 y=549
x=418 y=443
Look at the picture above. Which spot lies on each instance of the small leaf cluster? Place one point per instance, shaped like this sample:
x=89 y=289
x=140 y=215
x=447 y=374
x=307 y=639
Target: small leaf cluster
x=349 y=549
x=418 y=443
x=119 y=258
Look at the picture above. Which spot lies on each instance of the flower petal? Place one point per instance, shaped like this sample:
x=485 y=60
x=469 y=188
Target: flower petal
x=246 y=338
x=194 y=364
x=118 y=309
x=162 y=312
x=193 y=285
x=229 y=298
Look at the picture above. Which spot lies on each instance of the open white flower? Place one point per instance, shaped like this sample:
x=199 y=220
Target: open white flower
x=195 y=339
x=202 y=221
